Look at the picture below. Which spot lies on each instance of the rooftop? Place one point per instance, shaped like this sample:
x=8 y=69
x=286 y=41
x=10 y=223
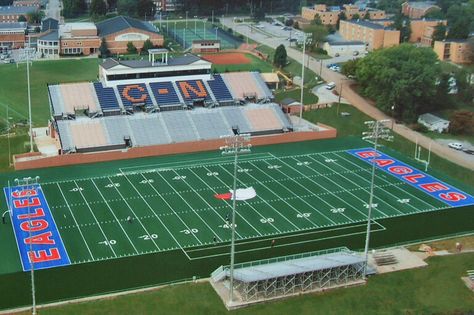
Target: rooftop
x=12 y=26
x=53 y=35
x=6 y=10
x=347 y=43
x=367 y=24
x=136 y=64
x=119 y=23
x=431 y=119
x=422 y=5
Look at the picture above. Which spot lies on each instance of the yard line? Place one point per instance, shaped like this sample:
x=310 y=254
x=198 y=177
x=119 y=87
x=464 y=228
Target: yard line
x=131 y=209
x=169 y=206
x=245 y=202
x=75 y=221
x=100 y=227
x=366 y=180
x=190 y=207
x=215 y=192
x=276 y=181
x=264 y=201
x=366 y=170
x=319 y=186
x=116 y=219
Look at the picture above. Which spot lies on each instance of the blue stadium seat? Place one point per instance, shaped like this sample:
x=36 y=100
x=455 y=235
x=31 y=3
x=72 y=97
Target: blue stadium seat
x=164 y=93
x=106 y=96
x=219 y=89
x=134 y=94
x=192 y=90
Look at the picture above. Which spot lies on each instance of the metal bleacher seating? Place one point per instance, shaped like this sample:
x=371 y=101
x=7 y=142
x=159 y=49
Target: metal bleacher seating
x=209 y=125
x=148 y=130
x=107 y=100
x=134 y=94
x=235 y=117
x=219 y=89
x=165 y=94
x=179 y=126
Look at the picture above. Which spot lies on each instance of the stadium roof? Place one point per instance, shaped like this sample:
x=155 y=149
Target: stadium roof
x=176 y=61
x=120 y=23
x=7 y=10
x=297 y=266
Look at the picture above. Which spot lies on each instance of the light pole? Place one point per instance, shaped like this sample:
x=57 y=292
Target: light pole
x=29 y=91
x=234 y=145
x=302 y=76
x=195 y=24
x=25 y=182
x=377 y=131
x=340 y=95
x=186 y=19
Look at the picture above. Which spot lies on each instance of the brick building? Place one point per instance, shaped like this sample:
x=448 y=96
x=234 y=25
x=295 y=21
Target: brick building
x=27 y=3
x=372 y=34
x=417 y=10
x=456 y=51
x=12 y=35
x=329 y=15
x=422 y=30
x=78 y=39
x=11 y=14
x=168 y=5
x=120 y=30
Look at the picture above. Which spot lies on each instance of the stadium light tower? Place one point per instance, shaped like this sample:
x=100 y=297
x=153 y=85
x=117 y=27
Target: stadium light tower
x=234 y=145
x=25 y=183
x=377 y=130
x=305 y=38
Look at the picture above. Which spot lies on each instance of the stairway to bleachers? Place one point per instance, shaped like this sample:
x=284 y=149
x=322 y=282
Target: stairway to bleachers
x=134 y=94
x=107 y=100
x=219 y=89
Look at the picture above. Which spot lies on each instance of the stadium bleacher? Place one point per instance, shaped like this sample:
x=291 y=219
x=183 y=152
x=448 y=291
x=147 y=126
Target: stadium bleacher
x=192 y=90
x=134 y=94
x=165 y=94
x=219 y=89
x=107 y=100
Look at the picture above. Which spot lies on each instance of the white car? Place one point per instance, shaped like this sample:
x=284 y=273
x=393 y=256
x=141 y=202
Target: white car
x=330 y=86
x=455 y=145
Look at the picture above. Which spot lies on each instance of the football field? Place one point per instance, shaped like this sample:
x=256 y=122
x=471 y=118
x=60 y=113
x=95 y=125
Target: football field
x=154 y=208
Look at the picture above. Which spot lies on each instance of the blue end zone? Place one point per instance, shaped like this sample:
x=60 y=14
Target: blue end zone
x=416 y=178
x=48 y=250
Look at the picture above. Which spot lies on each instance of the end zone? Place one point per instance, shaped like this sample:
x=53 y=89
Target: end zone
x=36 y=233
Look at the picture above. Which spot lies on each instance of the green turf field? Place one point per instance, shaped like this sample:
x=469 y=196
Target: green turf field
x=310 y=195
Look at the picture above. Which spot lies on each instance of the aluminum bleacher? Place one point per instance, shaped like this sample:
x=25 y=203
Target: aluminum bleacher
x=165 y=94
x=193 y=90
x=107 y=100
x=220 y=90
x=209 y=125
x=134 y=95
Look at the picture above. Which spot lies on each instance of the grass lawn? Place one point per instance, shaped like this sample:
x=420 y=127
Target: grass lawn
x=436 y=288
x=354 y=125
x=309 y=98
x=13 y=88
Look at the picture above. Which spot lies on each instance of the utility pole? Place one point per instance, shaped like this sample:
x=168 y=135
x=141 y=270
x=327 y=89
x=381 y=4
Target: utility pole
x=377 y=130
x=234 y=145
x=302 y=77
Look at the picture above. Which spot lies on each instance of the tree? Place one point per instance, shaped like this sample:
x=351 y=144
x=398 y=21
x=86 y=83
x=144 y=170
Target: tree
x=465 y=88
x=317 y=20
x=131 y=49
x=21 y=18
x=289 y=22
x=296 y=25
x=147 y=45
x=279 y=59
x=356 y=17
x=103 y=49
x=318 y=35
x=435 y=14
x=342 y=17
x=350 y=67
x=403 y=76
x=146 y=9
x=259 y=14
x=439 y=32
x=462 y=122
x=98 y=8
x=127 y=7
x=35 y=17
x=73 y=8
x=402 y=23
x=459 y=29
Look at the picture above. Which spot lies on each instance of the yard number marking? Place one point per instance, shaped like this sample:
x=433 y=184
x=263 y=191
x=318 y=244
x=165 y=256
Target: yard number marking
x=110 y=242
x=179 y=177
x=330 y=160
x=227 y=226
x=112 y=185
x=76 y=189
x=271 y=167
x=303 y=215
x=189 y=231
x=374 y=205
x=212 y=174
x=148 y=237
x=403 y=200
x=338 y=210
x=303 y=163
x=243 y=170
x=147 y=181
x=267 y=220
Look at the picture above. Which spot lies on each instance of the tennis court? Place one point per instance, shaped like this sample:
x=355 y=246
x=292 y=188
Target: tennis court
x=155 y=208
x=199 y=30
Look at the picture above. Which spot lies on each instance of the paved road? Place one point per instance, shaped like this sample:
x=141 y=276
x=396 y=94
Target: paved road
x=355 y=99
x=53 y=10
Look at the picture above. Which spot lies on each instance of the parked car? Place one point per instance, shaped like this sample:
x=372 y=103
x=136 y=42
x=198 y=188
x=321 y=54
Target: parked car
x=455 y=145
x=468 y=151
x=330 y=86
